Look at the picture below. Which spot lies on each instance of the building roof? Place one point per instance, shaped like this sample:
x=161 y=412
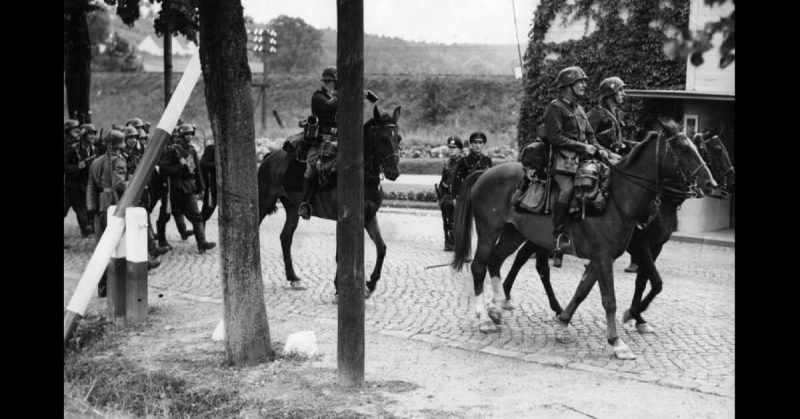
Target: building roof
x=680 y=94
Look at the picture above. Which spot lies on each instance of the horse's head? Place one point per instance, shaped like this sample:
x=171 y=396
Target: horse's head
x=383 y=142
x=719 y=162
x=686 y=161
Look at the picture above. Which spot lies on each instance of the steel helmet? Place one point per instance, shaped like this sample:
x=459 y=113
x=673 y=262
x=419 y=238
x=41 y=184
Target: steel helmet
x=610 y=86
x=570 y=76
x=130 y=131
x=115 y=138
x=88 y=128
x=329 y=74
x=142 y=134
x=185 y=129
x=70 y=124
x=135 y=122
x=477 y=134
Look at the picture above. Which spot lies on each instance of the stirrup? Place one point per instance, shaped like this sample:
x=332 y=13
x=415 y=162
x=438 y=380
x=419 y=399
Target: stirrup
x=304 y=210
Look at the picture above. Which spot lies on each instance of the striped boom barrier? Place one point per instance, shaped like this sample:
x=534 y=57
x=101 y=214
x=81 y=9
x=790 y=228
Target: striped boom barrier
x=116 y=224
x=115 y=274
x=136 y=272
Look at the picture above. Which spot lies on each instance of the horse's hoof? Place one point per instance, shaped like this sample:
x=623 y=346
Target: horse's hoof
x=297 y=285
x=644 y=328
x=563 y=334
x=496 y=315
x=632 y=268
x=622 y=351
x=626 y=316
x=508 y=305
x=488 y=327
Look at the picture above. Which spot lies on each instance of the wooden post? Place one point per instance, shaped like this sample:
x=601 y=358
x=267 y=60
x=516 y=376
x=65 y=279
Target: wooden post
x=115 y=279
x=350 y=225
x=116 y=224
x=136 y=266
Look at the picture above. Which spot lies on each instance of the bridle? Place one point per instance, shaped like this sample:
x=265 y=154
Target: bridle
x=660 y=185
x=383 y=160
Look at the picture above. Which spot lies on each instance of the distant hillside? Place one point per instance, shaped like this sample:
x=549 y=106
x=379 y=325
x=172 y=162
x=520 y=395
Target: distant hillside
x=382 y=55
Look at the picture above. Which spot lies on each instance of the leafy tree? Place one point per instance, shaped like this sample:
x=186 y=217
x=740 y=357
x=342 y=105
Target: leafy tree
x=99 y=28
x=119 y=56
x=693 y=45
x=299 y=46
x=77 y=57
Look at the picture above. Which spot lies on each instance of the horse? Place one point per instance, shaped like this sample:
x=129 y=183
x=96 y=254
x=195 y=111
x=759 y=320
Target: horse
x=636 y=182
x=381 y=144
x=646 y=243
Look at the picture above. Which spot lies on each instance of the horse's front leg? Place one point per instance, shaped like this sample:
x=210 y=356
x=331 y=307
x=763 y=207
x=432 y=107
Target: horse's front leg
x=656 y=283
x=606 y=282
x=374 y=232
x=563 y=333
x=287 y=233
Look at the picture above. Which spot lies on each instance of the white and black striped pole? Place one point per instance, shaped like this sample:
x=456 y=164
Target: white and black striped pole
x=116 y=224
x=136 y=272
x=115 y=278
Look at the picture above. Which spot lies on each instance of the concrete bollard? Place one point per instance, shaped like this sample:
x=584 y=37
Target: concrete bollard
x=136 y=272
x=115 y=278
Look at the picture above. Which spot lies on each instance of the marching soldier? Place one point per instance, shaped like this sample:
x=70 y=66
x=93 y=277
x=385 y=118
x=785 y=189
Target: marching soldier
x=182 y=166
x=160 y=187
x=108 y=176
x=443 y=189
x=72 y=132
x=568 y=131
x=78 y=156
x=473 y=161
x=606 y=117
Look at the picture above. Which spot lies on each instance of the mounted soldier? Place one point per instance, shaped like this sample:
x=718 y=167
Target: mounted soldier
x=181 y=164
x=323 y=108
x=568 y=131
x=443 y=188
x=473 y=161
x=78 y=156
x=607 y=118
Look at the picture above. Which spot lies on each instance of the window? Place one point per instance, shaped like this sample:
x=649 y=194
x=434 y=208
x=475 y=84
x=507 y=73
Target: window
x=690 y=124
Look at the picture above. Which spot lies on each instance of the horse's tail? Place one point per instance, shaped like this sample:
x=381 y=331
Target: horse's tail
x=462 y=222
x=267 y=200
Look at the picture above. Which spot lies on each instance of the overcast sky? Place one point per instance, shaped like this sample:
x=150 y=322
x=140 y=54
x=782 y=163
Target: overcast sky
x=444 y=21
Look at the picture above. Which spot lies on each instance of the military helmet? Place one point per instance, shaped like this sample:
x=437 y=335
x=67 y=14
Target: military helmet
x=453 y=140
x=570 y=76
x=71 y=124
x=135 y=122
x=115 y=138
x=329 y=74
x=185 y=129
x=130 y=131
x=88 y=128
x=142 y=133
x=475 y=135
x=610 y=86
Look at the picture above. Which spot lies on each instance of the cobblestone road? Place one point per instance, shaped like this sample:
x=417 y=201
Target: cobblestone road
x=693 y=346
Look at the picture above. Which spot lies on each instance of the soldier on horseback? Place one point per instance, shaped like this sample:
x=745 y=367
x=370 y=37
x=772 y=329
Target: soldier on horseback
x=446 y=197
x=606 y=117
x=568 y=131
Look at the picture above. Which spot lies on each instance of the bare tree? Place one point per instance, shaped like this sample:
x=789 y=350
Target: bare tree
x=227 y=78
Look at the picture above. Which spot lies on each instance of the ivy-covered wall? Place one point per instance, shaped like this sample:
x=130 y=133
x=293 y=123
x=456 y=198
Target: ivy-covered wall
x=631 y=48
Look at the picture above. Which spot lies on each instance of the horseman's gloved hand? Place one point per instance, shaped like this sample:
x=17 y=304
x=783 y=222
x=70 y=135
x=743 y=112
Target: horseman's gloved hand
x=370 y=96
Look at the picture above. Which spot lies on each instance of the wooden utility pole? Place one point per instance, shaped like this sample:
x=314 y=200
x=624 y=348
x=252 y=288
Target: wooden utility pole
x=350 y=190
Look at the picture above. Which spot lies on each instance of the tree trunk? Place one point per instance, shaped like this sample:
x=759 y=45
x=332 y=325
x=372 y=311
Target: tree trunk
x=230 y=107
x=167 y=66
x=77 y=61
x=350 y=225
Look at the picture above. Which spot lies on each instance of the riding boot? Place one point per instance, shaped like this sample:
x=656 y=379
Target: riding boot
x=309 y=185
x=161 y=234
x=180 y=222
x=561 y=244
x=200 y=237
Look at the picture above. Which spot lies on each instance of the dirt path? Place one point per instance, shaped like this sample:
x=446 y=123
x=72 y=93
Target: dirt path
x=405 y=377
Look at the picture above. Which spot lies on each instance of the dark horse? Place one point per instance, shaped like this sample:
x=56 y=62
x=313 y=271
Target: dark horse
x=636 y=181
x=381 y=143
x=646 y=242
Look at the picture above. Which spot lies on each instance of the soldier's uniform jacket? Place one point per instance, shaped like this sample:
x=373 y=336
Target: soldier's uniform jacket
x=185 y=178
x=566 y=125
x=467 y=165
x=607 y=126
x=448 y=175
x=107 y=181
x=209 y=174
x=75 y=177
x=323 y=106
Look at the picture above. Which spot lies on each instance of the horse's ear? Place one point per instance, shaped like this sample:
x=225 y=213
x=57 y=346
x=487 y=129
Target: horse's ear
x=375 y=113
x=668 y=125
x=396 y=113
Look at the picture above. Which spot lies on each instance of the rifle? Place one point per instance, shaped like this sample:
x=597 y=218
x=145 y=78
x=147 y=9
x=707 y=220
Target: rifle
x=444 y=264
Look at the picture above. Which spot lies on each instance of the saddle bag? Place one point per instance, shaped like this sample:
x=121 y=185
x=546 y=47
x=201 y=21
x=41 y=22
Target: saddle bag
x=326 y=160
x=534 y=198
x=565 y=161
